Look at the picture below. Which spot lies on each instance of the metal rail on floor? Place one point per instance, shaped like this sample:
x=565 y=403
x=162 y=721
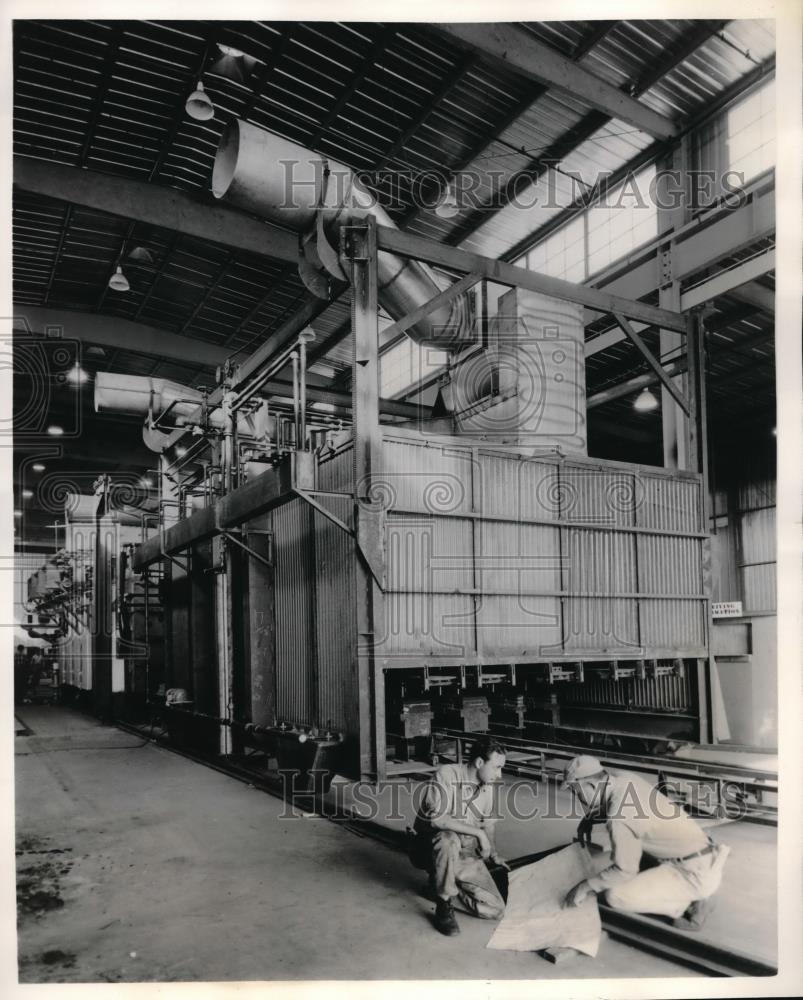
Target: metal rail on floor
x=532 y=756
x=643 y=932
x=638 y=931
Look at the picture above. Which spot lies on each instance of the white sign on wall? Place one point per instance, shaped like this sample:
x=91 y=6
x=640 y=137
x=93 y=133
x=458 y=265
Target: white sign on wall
x=726 y=609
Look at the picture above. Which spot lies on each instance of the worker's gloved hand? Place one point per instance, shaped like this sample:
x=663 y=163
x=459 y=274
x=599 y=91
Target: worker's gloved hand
x=578 y=894
x=584 y=831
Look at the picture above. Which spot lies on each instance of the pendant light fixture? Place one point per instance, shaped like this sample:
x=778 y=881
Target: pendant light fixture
x=447 y=207
x=198 y=105
x=141 y=255
x=645 y=401
x=232 y=64
x=118 y=281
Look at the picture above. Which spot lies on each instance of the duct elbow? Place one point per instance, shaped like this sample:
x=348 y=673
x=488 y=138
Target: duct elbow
x=291 y=186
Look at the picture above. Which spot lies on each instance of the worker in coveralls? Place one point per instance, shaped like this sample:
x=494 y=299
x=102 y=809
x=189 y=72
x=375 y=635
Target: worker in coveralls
x=454 y=835
x=662 y=861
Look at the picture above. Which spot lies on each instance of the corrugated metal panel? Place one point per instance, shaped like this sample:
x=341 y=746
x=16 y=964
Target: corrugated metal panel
x=334 y=619
x=518 y=488
x=760 y=588
x=425 y=478
x=519 y=627
x=430 y=626
x=670 y=504
x=758 y=536
x=600 y=625
x=598 y=496
x=294 y=613
x=673 y=624
x=428 y=558
x=598 y=562
x=725 y=584
x=759 y=547
x=757 y=493
x=336 y=472
x=518 y=559
x=669 y=565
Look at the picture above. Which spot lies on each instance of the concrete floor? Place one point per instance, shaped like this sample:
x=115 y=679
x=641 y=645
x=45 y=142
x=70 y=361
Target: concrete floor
x=745 y=917
x=137 y=865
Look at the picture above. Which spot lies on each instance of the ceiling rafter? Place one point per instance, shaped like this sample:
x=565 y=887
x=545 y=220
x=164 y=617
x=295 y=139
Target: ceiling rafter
x=277 y=51
x=209 y=292
x=106 y=73
x=379 y=45
x=597 y=32
x=527 y=56
x=166 y=261
x=583 y=47
x=583 y=130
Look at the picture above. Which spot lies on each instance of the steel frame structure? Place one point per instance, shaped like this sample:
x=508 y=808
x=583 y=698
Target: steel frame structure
x=361 y=242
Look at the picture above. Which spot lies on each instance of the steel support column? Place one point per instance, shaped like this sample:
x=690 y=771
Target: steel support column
x=698 y=454
x=670 y=220
x=359 y=249
x=225 y=647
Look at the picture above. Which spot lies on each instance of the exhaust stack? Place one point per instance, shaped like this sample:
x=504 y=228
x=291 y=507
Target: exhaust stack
x=290 y=185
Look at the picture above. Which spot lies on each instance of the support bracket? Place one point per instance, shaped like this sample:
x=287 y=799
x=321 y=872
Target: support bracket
x=653 y=362
x=246 y=548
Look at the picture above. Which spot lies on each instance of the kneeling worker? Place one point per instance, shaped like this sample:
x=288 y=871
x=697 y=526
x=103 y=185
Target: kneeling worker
x=454 y=829
x=686 y=864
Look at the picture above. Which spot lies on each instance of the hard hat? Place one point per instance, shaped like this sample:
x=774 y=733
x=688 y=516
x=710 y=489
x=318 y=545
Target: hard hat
x=581 y=768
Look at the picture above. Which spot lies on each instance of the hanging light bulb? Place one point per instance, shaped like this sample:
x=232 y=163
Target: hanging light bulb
x=141 y=255
x=76 y=375
x=447 y=207
x=645 y=401
x=232 y=64
x=118 y=281
x=198 y=105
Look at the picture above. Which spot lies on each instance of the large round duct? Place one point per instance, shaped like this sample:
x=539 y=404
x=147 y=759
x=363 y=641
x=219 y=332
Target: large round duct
x=289 y=184
x=139 y=395
x=180 y=405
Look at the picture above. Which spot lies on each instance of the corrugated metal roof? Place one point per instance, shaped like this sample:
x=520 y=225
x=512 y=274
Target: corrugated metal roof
x=109 y=96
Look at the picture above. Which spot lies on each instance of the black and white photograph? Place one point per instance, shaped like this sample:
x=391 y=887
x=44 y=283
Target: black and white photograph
x=402 y=499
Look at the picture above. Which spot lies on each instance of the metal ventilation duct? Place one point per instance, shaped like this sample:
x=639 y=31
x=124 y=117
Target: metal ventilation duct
x=141 y=396
x=290 y=185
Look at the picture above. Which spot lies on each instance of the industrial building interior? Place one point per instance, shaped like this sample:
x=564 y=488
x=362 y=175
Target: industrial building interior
x=377 y=386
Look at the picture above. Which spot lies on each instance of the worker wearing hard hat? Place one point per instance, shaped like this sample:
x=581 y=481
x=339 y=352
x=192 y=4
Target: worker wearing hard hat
x=661 y=862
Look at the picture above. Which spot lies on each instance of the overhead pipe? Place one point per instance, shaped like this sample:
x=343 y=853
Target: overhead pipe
x=302 y=391
x=143 y=396
x=298 y=189
x=296 y=403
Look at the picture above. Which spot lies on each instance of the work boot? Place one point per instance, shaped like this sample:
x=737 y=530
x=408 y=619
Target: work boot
x=429 y=891
x=695 y=916
x=445 y=920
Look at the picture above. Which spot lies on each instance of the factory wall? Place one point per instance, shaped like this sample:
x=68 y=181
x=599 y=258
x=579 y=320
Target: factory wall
x=744 y=548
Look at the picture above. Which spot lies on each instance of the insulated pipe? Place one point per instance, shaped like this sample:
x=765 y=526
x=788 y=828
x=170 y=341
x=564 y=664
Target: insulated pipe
x=288 y=184
x=302 y=392
x=140 y=395
x=228 y=443
x=296 y=402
